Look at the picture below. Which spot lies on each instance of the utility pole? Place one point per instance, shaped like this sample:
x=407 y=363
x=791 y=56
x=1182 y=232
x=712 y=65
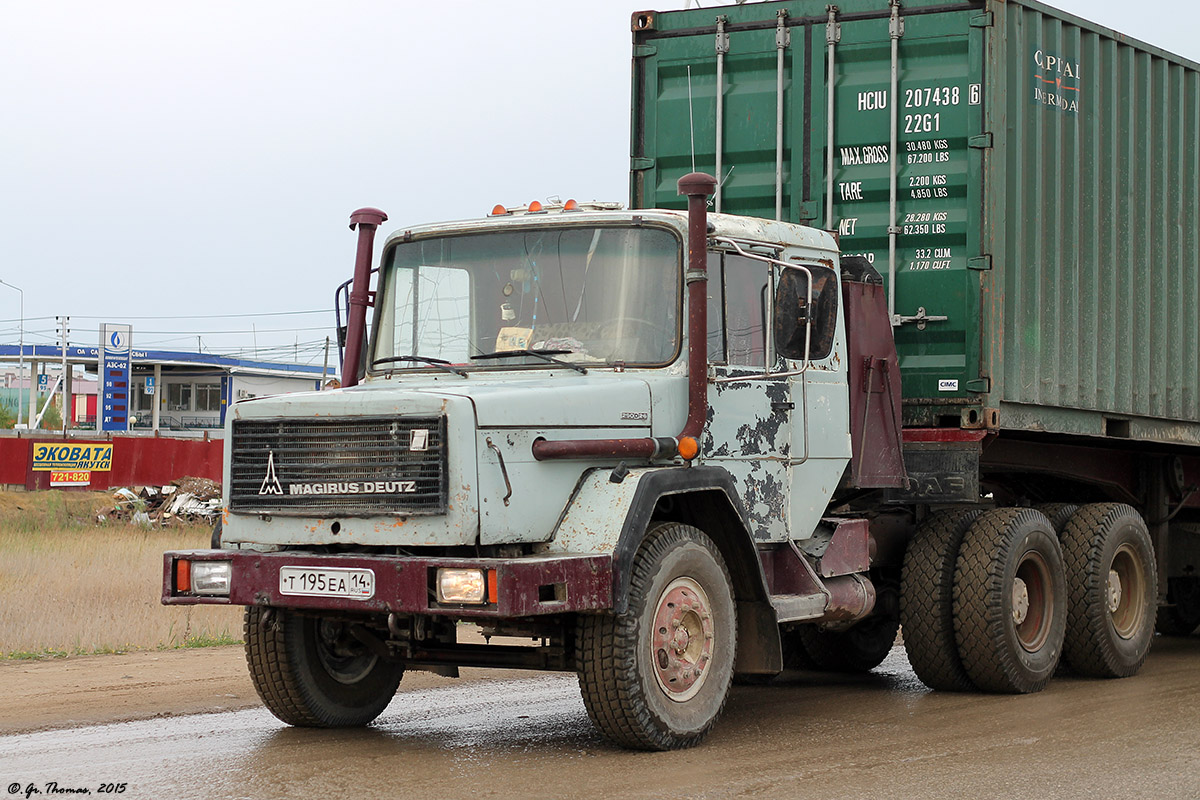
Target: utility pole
x=325 y=368
x=21 y=369
x=64 y=330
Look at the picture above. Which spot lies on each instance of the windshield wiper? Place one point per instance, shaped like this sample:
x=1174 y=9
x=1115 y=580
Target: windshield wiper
x=544 y=353
x=440 y=363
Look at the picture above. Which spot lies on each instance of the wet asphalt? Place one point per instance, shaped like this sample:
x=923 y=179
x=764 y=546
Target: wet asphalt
x=881 y=735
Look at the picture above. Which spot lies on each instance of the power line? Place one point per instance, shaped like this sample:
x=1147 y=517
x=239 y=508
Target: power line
x=185 y=316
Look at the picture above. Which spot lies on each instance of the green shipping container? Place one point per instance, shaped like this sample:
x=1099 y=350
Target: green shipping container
x=1026 y=183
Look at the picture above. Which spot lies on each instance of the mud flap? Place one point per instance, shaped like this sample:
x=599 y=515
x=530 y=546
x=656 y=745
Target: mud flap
x=759 y=651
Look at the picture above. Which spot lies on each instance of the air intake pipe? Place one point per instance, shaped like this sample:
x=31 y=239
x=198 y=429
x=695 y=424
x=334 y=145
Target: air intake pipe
x=698 y=187
x=366 y=220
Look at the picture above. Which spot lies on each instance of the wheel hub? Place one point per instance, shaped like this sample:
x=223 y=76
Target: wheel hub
x=1020 y=607
x=1114 y=591
x=682 y=641
x=1033 y=601
x=344 y=658
x=1126 y=592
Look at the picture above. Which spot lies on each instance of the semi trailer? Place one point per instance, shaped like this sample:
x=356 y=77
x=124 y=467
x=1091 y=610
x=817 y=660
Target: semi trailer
x=899 y=331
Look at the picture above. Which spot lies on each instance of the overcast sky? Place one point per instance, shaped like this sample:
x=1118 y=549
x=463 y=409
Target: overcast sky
x=171 y=159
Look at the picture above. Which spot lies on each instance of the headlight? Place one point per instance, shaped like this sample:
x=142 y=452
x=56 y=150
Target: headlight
x=461 y=586
x=211 y=577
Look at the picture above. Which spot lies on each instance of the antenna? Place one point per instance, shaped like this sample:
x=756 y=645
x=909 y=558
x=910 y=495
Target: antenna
x=691 y=121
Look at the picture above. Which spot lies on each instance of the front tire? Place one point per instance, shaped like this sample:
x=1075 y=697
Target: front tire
x=1114 y=590
x=656 y=677
x=313 y=672
x=1010 y=601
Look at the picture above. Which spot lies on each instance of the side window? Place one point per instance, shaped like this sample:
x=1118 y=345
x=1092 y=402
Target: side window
x=716 y=309
x=745 y=284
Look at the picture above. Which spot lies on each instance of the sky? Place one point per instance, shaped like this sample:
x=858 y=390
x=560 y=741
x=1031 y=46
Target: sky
x=190 y=167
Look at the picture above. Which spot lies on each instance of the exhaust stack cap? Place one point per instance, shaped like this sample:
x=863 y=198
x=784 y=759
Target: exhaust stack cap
x=367 y=216
x=697 y=183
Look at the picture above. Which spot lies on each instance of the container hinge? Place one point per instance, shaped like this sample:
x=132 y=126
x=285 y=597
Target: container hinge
x=722 y=36
x=896 y=24
x=783 y=34
x=980 y=385
x=921 y=318
x=982 y=20
x=981 y=263
x=644 y=50
x=641 y=162
x=833 y=28
x=982 y=141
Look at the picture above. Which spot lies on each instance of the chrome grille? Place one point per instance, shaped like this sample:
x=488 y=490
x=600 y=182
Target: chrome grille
x=346 y=467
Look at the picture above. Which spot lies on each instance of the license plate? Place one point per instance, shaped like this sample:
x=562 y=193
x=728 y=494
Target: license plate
x=327 y=582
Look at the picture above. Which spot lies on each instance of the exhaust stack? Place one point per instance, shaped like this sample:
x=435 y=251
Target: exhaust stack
x=366 y=220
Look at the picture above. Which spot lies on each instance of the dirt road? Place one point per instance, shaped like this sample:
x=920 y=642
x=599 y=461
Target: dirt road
x=528 y=736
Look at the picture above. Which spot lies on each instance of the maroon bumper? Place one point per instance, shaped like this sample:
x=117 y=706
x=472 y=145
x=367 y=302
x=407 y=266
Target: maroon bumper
x=405 y=584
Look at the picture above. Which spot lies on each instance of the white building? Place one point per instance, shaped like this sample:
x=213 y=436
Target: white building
x=168 y=390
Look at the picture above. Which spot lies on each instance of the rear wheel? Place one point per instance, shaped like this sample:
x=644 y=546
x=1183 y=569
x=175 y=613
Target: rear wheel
x=1114 y=590
x=314 y=672
x=1181 y=615
x=1059 y=514
x=656 y=677
x=927 y=600
x=1010 y=601
x=857 y=649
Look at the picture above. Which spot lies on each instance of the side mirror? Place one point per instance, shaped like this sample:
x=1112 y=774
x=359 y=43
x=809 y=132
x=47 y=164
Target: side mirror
x=792 y=321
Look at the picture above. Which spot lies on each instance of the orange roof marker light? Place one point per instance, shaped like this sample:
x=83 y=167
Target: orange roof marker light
x=553 y=205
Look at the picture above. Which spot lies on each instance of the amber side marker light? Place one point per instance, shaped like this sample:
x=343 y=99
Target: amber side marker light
x=570 y=205
x=689 y=448
x=183 y=577
x=492 y=590
x=535 y=207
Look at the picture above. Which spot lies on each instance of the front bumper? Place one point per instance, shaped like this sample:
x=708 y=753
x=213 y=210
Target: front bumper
x=405 y=584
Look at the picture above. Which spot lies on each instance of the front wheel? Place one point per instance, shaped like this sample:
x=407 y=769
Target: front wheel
x=314 y=672
x=656 y=677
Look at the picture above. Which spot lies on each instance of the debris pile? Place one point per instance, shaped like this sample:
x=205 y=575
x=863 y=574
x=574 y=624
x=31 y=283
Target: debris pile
x=186 y=500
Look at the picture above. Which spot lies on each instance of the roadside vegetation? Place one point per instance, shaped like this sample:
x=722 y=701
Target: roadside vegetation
x=71 y=585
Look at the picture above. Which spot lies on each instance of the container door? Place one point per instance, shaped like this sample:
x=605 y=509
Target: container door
x=926 y=241
x=723 y=95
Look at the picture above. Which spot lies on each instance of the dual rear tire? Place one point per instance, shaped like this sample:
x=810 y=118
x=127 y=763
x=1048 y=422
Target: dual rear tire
x=994 y=600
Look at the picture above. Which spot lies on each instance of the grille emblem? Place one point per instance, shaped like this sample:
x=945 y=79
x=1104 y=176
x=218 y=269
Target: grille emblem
x=419 y=440
x=270 y=484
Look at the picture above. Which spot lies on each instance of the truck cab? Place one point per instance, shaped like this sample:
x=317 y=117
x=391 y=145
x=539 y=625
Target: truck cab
x=599 y=431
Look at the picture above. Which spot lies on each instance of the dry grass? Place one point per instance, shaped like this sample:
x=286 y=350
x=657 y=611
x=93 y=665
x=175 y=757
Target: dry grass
x=71 y=586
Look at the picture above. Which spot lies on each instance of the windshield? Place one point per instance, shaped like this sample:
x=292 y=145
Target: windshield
x=584 y=294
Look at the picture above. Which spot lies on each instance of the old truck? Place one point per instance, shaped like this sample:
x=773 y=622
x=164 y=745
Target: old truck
x=932 y=360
